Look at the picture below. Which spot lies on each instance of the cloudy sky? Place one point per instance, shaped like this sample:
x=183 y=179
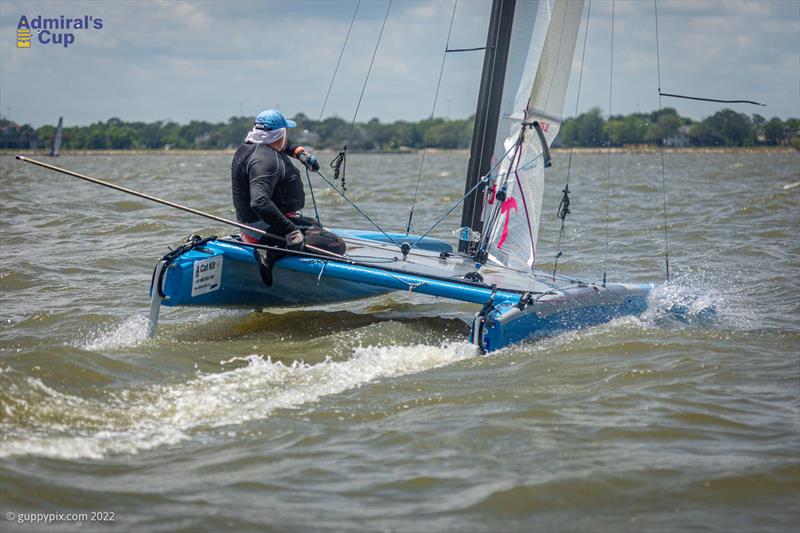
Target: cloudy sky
x=210 y=60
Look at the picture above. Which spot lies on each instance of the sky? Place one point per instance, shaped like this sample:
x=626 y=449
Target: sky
x=210 y=60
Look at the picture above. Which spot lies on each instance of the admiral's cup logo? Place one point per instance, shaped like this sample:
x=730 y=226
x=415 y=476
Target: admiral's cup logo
x=59 y=31
x=23 y=33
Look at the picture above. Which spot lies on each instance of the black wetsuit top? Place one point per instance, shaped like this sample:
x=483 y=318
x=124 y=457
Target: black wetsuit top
x=265 y=186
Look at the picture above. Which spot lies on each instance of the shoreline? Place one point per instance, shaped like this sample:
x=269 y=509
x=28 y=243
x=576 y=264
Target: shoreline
x=637 y=149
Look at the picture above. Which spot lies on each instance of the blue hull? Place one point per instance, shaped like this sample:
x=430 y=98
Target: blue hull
x=516 y=306
x=506 y=324
x=241 y=285
x=296 y=280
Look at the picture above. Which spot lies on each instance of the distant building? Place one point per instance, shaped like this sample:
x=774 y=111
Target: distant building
x=12 y=135
x=680 y=139
x=201 y=139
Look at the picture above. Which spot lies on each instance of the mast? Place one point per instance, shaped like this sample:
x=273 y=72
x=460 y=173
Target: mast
x=487 y=113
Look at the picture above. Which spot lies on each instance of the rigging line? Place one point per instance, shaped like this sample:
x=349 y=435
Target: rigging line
x=338 y=62
x=313 y=199
x=373 y=259
x=663 y=172
x=608 y=158
x=486 y=238
x=330 y=87
x=380 y=245
x=565 y=210
x=500 y=162
x=340 y=159
x=484 y=180
x=458 y=203
x=371 y=62
x=357 y=208
x=465 y=49
x=382 y=269
x=433 y=110
x=710 y=99
x=496 y=209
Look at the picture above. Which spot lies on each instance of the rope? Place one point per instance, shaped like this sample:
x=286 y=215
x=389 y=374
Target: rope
x=608 y=158
x=465 y=49
x=361 y=212
x=563 y=207
x=493 y=216
x=433 y=110
x=373 y=259
x=313 y=199
x=380 y=245
x=338 y=62
x=709 y=99
x=663 y=173
x=338 y=161
x=485 y=179
x=328 y=93
x=369 y=70
x=459 y=202
x=339 y=165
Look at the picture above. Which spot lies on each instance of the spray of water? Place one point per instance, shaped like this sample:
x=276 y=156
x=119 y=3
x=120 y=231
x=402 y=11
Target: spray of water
x=41 y=421
x=677 y=302
x=131 y=332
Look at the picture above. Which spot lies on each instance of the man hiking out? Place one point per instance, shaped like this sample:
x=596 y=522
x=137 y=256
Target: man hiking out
x=268 y=190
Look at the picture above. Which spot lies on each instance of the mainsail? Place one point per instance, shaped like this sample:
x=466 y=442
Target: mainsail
x=539 y=63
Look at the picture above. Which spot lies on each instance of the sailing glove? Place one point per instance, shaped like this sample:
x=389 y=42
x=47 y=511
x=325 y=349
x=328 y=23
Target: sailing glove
x=312 y=163
x=307 y=159
x=294 y=240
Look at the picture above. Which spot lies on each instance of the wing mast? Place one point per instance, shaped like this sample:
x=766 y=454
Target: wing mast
x=487 y=114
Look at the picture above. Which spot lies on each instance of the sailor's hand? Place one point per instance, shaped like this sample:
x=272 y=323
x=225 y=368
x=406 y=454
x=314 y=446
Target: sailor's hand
x=294 y=240
x=307 y=159
x=312 y=163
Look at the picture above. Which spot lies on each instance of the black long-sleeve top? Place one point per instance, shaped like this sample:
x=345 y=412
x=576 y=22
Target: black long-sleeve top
x=266 y=185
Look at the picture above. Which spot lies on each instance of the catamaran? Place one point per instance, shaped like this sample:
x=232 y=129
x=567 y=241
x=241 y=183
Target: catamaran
x=527 y=60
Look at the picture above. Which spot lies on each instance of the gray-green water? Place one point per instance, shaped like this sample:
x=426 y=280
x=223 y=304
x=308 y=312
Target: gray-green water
x=377 y=415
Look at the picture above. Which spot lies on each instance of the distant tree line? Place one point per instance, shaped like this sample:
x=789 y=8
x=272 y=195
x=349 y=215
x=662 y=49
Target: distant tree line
x=723 y=128
x=590 y=129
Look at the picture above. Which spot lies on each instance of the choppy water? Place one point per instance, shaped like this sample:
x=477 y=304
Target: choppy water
x=378 y=415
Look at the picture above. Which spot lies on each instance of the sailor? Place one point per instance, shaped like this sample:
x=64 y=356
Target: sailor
x=268 y=189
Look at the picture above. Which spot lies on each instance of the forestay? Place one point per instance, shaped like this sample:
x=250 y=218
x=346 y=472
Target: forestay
x=539 y=62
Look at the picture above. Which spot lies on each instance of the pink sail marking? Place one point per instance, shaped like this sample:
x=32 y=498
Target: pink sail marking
x=509 y=204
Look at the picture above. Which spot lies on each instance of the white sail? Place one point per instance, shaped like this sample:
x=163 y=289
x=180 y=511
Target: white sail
x=56 y=148
x=537 y=74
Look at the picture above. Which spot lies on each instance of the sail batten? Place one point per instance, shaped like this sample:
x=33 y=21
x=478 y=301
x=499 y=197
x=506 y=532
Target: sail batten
x=540 y=59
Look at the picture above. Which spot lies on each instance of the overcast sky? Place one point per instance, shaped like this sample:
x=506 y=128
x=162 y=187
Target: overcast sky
x=210 y=60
